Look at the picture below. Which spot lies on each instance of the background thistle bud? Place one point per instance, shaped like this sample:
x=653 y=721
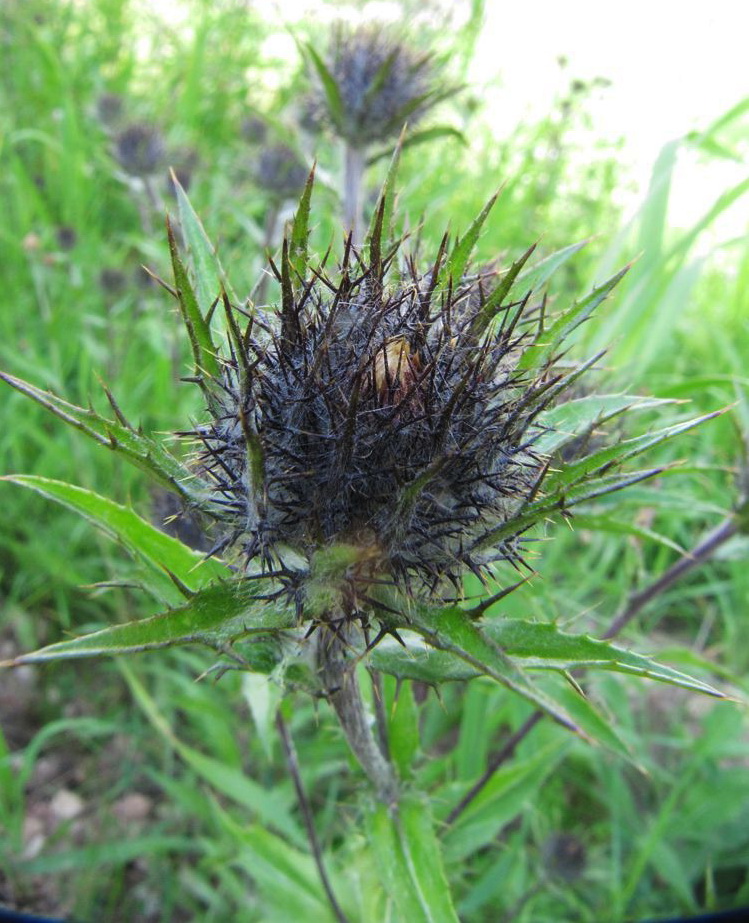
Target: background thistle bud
x=109 y=108
x=140 y=149
x=378 y=84
x=280 y=172
x=254 y=129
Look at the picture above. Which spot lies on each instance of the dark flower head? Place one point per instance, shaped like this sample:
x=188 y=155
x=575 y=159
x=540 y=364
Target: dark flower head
x=112 y=281
x=280 y=171
x=109 y=108
x=67 y=237
x=140 y=149
x=375 y=413
x=254 y=129
x=378 y=84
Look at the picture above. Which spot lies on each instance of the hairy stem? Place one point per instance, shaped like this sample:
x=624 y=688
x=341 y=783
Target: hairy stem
x=353 y=193
x=338 y=674
x=293 y=763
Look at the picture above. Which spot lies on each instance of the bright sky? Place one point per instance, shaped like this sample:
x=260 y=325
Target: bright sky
x=674 y=66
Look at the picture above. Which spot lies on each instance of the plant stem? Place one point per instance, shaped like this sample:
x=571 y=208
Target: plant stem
x=293 y=763
x=339 y=679
x=353 y=192
x=500 y=757
x=727 y=529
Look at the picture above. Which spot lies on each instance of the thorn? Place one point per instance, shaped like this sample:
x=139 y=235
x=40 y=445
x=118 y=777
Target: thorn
x=165 y=285
x=184 y=589
x=477 y=611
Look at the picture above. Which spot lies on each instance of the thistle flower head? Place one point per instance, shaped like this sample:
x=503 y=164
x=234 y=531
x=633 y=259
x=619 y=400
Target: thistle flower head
x=254 y=129
x=378 y=409
x=372 y=83
x=390 y=425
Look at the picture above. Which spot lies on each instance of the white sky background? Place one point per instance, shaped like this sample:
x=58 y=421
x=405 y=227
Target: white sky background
x=673 y=66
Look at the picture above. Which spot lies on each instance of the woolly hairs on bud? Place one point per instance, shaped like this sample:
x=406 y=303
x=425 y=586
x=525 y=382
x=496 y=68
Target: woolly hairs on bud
x=380 y=416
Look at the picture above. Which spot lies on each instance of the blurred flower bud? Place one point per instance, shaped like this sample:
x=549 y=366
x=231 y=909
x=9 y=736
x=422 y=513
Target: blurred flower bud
x=140 y=149
x=280 y=171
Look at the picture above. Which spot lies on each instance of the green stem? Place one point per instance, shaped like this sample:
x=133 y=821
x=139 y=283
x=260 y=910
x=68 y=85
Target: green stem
x=338 y=674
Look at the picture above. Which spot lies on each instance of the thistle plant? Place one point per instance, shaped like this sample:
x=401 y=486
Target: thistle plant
x=370 y=85
x=392 y=424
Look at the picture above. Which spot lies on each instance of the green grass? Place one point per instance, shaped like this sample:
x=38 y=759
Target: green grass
x=664 y=834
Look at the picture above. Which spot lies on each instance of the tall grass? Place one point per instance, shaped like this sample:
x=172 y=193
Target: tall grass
x=563 y=831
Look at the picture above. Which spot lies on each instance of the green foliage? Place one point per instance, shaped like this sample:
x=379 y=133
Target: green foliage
x=409 y=857
x=228 y=839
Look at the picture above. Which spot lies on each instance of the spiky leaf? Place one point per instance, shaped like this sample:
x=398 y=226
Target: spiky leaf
x=455 y=264
x=536 y=276
x=495 y=301
x=298 y=254
x=535 y=646
x=215 y=616
x=577 y=471
x=543 y=352
x=329 y=85
x=570 y=420
x=448 y=629
x=423 y=136
x=198 y=329
x=142 y=451
x=210 y=277
x=162 y=554
x=380 y=226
